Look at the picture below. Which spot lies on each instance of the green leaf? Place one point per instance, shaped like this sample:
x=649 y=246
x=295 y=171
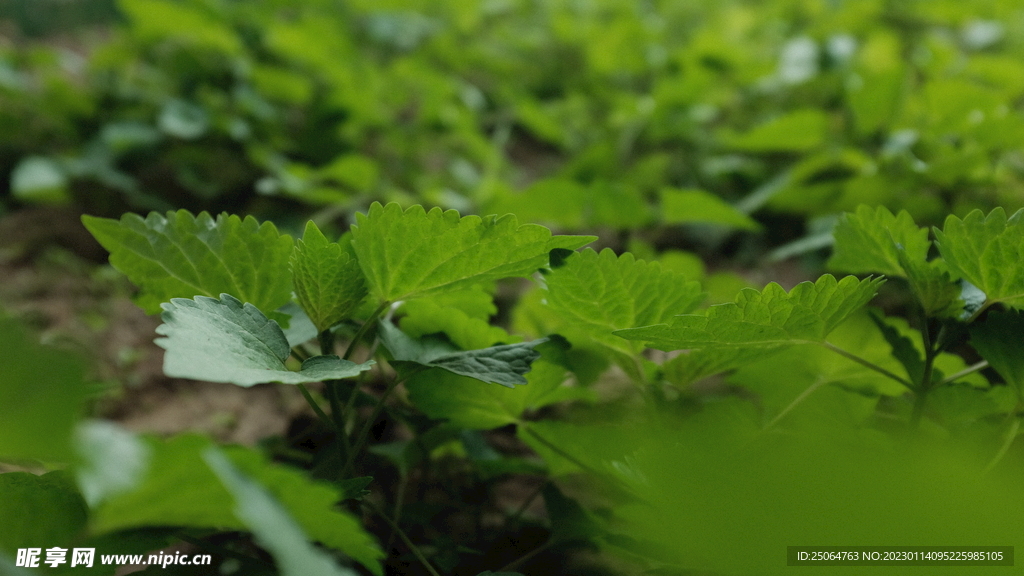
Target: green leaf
x=114 y=460
x=868 y=240
x=938 y=294
x=183 y=119
x=998 y=340
x=41 y=397
x=411 y=253
x=767 y=319
x=988 y=251
x=181 y=256
x=945 y=363
x=700 y=207
x=809 y=387
x=464 y=403
x=270 y=522
x=328 y=281
x=595 y=294
x=797 y=131
x=157 y=21
x=226 y=341
x=176 y=488
x=586 y=446
x=39 y=511
x=424 y=317
x=476 y=301
x=873 y=240
x=355 y=488
x=694 y=365
x=903 y=349
x=557 y=201
x=504 y=364
x=300 y=328
x=570 y=522
x=959 y=404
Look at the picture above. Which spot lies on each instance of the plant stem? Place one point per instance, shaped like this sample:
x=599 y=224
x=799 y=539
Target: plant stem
x=316 y=407
x=803 y=396
x=1011 y=435
x=524 y=506
x=401 y=534
x=562 y=453
x=403 y=483
x=978 y=312
x=969 y=370
x=868 y=364
x=925 y=386
x=338 y=417
x=365 y=432
x=370 y=322
x=326 y=340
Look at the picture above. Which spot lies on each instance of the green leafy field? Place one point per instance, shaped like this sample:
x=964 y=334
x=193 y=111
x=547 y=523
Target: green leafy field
x=565 y=287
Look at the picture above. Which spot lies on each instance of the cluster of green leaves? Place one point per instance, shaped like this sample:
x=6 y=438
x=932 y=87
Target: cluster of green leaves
x=570 y=114
x=212 y=279
x=826 y=402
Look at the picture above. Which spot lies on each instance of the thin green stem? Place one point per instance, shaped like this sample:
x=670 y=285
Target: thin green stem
x=370 y=322
x=978 y=312
x=338 y=417
x=364 y=434
x=401 y=534
x=316 y=407
x=524 y=506
x=803 y=396
x=403 y=483
x=326 y=340
x=925 y=386
x=561 y=452
x=966 y=371
x=1011 y=435
x=868 y=364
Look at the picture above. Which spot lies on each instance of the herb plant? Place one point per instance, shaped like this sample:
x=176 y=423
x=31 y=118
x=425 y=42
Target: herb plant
x=675 y=436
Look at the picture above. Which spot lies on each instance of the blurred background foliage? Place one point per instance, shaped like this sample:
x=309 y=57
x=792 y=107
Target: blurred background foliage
x=577 y=114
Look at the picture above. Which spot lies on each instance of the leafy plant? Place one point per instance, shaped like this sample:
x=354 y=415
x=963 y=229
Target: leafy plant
x=822 y=405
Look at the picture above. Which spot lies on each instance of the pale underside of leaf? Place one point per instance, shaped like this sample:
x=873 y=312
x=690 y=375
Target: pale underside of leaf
x=226 y=341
